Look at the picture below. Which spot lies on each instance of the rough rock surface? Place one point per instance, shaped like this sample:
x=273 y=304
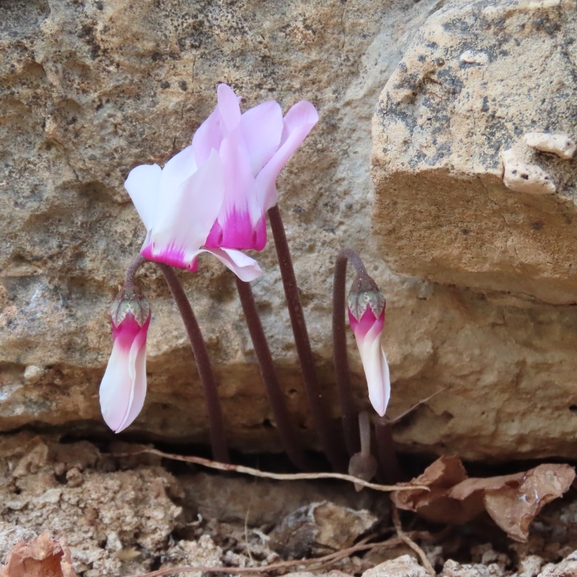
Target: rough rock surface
x=476 y=79
x=72 y=491
x=404 y=566
x=90 y=89
x=125 y=516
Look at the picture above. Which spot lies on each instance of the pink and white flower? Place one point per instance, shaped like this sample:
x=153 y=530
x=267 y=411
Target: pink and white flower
x=366 y=306
x=213 y=195
x=123 y=387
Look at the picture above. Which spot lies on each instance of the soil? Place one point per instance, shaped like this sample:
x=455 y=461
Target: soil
x=127 y=516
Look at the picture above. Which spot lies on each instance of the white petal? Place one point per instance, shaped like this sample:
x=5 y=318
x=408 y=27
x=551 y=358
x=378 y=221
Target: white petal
x=178 y=169
x=123 y=386
x=376 y=369
x=137 y=371
x=243 y=266
x=115 y=388
x=239 y=181
x=188 y=217
x=142 y=185
x=208 y=137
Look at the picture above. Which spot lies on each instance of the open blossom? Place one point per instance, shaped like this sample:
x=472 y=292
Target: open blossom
x=213 y=195
x=123 y=386
x=366 y=306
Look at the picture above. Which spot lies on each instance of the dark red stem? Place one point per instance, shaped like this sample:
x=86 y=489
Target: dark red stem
x=285 y=428
x=340 y=356
x=330 y=441
x=216 y=422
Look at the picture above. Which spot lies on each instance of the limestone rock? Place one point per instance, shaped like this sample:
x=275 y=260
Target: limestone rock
x=481 y=78
x=404 y=566
x=90 y=89
x=319 y=529
x=522 y=177
x=560 y=144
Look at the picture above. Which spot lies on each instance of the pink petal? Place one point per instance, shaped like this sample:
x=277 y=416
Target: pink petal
x=237 y=231
x=262 y=128
x=228 y=106
x=240 y=211
x=244 y=267
x=123 y=386
x=187 y=219
x=298 y=122
x=367 y=321
x=208 y=137
x=172 y=255
x=142 y=185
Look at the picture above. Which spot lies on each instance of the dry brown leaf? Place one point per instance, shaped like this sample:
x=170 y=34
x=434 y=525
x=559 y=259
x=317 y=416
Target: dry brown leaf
x=435 y=505
x=43 y=557
x=513 y=507
x=513 y=501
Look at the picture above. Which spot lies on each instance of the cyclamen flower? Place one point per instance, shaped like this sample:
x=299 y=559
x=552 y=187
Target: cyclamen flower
x=366 y=306
x=123 y=386
x=213 y=195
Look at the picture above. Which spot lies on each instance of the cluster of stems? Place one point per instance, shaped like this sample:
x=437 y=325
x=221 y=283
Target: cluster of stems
x=346 y=445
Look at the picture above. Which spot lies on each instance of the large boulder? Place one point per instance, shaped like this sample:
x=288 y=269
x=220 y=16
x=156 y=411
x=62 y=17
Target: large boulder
x=481 y=90
x=89 y=90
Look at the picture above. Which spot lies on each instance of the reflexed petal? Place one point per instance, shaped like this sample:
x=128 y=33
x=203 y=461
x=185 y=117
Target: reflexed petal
x=240 y=195
x=208 y=137
x=262 y=128
x=235 y=231
x=298 y=122
x=176 y=171
x=301 y=117
x=228 y=106
x=171 y=255
x=186 y=222
x=142 y=185
x=244 y=267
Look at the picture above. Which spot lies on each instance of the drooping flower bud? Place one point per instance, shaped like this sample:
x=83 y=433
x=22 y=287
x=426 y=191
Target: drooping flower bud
x=366 y=305
x=123 y=387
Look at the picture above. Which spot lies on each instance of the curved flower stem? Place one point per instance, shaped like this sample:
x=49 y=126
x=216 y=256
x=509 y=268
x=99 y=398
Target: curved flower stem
x=386 y=450
x=286 y=430
x=134 y=265
x=340 y=357
x=216 y=422
x=329 y=440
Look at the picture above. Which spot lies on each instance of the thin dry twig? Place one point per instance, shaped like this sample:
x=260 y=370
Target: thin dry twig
x=416 y=405
x=278 y=476
x=323 y=561
x=407 y=540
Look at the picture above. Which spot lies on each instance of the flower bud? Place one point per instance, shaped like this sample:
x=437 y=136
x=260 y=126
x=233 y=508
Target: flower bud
x=123 y=387
x=366 y=305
